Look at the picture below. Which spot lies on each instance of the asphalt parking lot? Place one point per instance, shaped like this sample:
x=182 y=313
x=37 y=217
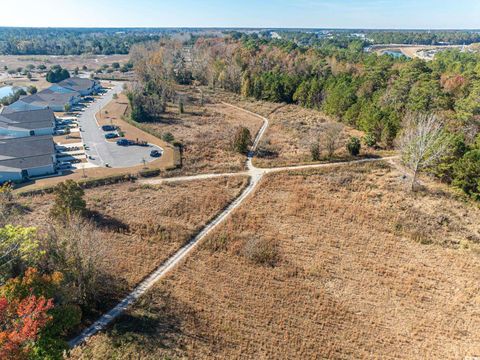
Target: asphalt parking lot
x=101 y=152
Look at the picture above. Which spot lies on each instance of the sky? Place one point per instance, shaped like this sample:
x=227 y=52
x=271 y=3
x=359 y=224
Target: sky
x=386 y=14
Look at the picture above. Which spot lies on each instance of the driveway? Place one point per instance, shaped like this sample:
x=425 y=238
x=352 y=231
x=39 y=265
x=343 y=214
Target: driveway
x=102 y=151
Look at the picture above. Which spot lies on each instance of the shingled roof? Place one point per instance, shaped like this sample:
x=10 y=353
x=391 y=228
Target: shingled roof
x=28 y=152
x=77 y=84
x=30 y=120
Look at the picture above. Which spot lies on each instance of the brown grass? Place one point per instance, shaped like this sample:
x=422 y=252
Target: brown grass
x=292 y=131
x=206 y=133
x=352 y=279
x=144 y=225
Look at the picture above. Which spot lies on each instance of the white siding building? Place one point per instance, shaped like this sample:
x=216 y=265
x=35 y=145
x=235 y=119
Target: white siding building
x=27 y=123
x=27 y=157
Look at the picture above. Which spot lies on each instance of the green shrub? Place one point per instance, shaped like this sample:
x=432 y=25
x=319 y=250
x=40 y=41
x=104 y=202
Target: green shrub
x=69 y=201
x=354 y=145
x=149 y=173
x=168 y=137
x=108 y=180
x=315 y=152
x=242 y=140
x=466 y=174
x=369 y=140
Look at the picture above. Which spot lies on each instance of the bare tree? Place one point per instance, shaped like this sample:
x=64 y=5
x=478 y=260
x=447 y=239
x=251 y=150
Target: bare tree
x=423 y=143
x=331 y=137
x=77 y=249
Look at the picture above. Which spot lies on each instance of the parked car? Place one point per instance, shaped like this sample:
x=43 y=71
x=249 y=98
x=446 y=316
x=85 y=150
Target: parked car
x=123 y=142
x=62 y=131
x=155 y=153
x=111 y=135
x=109 y=128
x=64 y=165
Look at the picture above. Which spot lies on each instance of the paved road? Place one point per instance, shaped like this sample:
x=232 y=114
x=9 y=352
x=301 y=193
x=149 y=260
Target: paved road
x=256 y=175
x=102 y=151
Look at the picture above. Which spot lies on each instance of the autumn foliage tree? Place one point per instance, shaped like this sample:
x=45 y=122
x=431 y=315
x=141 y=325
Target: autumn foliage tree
x=21 y=321
x=32 y=325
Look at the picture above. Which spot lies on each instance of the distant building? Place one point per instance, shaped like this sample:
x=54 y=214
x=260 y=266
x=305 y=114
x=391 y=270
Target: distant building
x=27 y=157
x=84 y=87
x=27 y=123
x=45 y=99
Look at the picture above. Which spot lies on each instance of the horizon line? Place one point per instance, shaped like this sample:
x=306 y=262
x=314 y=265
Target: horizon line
x=238 y=28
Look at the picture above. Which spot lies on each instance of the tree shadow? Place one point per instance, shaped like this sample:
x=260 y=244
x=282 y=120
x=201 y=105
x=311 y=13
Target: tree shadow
x=264 y=153
x=157 y=323
x=106 y=222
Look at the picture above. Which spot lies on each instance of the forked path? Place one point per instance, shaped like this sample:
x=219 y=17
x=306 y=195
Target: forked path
x=255 y=175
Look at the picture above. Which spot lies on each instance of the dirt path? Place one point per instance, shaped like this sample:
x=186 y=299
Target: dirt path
x=256 y=174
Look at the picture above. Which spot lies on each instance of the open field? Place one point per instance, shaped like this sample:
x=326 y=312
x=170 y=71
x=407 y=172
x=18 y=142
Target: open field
x=68 y=62
x=292 y=131
x=38 y=80
x=331 y=263
x=141 y=226
x=206 y=132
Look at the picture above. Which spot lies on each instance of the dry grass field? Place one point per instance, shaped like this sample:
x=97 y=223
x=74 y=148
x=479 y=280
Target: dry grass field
x=206 y=132
x=292 y=131
x=141 y=226
x=338 y=263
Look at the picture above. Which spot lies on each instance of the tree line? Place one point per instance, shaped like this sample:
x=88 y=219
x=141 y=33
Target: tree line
x=51 y=41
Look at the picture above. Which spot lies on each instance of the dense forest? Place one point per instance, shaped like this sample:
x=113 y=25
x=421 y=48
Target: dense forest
x=370 y=92
x=52 y=41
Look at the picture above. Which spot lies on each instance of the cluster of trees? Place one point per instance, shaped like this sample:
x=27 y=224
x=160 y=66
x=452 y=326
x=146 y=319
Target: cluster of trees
x=453 y=37
x=159 y=66
x=35 y=41
x=48 y=281
x=57 y=74
x=8 y=100
x=369 y=92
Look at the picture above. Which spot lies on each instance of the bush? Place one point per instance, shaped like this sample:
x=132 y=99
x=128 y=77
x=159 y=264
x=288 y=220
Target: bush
x=354 y=145
x=242 y=140
x=369 y=140
x=69 y=201
x=315 y=152
x=107 y=180
x=168 y=137
x=149 y=173
x=32 y=90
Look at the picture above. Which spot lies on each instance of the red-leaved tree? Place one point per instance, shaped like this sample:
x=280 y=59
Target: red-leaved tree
x=22 y=316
